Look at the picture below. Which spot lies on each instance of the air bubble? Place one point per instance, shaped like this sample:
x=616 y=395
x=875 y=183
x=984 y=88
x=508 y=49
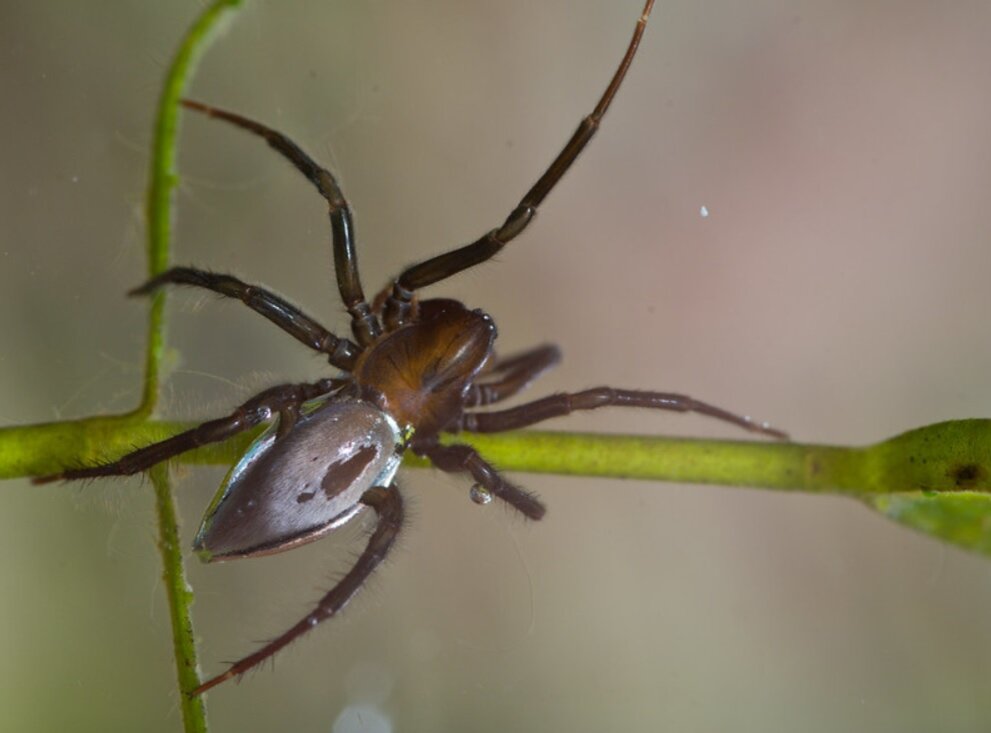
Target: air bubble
x=362 y=717
x=479 y=494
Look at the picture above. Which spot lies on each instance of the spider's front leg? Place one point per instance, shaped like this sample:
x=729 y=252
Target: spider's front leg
x=399 y=303
x=283 y=400
x=388 y=504
x=364 y=324
x=341 y=352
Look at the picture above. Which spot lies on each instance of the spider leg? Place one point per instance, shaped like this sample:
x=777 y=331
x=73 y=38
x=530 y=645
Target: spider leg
x=285 y=399
x=559 y=405
x=517 y=373
x=463 y=458
x=341 y=352
x=364 y=324
x=388 y=504
x=450 y=263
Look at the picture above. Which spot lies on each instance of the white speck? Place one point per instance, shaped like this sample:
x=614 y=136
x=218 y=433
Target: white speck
x=75 y=179
x=704 y=212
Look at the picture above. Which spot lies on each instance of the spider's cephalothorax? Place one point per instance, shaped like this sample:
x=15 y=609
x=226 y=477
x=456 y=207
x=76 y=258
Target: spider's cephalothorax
x=415 y=369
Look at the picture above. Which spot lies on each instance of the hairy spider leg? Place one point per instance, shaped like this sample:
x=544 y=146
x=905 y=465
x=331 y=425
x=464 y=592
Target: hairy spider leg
x=516 y=373
x=460 y=458
x=284 y=400
x=559 y=405
x=364 y=324
x=341 y=353
x=435 y=269
x=388 y=504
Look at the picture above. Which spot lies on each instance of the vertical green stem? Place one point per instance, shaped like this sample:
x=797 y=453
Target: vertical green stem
x=161 y=186
x=180 y=599
x=163 y=179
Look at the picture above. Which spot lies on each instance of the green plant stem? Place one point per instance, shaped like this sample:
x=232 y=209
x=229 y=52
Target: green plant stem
x=936 y=479
x=180 y=599
x=161 y=187
x=163 y=179
x=946 y=457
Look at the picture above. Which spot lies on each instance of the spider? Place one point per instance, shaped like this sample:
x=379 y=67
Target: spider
x=413 y=369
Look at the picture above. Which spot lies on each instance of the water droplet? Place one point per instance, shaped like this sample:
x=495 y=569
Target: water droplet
x=704 y=212
x=479 y=494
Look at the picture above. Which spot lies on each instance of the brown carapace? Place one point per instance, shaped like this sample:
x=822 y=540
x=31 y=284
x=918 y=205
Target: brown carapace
x=414 y=369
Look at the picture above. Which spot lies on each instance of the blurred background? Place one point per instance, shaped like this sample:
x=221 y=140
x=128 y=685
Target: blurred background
x=837 y=287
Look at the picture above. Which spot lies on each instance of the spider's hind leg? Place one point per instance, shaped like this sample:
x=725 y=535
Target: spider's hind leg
x=388 y=504
x=559 y=405
x=284 y=399
x=515 y=374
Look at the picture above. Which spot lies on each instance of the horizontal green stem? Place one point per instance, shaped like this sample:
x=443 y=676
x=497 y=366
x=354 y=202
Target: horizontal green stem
x=936 y=479
x=950 y=456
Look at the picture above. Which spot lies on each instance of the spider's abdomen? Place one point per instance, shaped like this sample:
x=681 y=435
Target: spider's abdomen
x=420 y=373
x=291 y=490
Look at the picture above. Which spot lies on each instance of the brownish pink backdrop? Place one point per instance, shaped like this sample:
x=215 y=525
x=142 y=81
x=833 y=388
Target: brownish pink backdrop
x=838 y=287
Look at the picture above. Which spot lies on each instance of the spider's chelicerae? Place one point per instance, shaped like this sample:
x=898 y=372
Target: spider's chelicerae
x=413 y=369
